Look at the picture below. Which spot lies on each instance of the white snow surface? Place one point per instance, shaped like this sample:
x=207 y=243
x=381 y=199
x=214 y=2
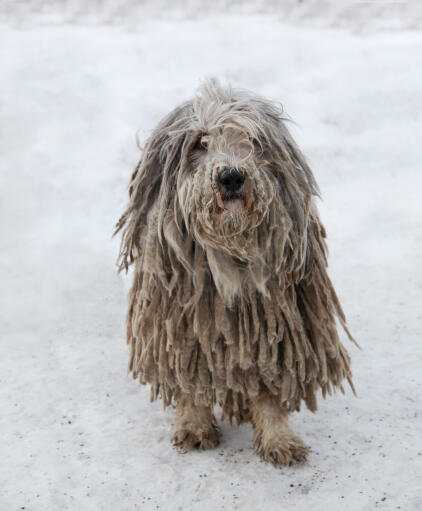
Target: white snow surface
x=76 y=432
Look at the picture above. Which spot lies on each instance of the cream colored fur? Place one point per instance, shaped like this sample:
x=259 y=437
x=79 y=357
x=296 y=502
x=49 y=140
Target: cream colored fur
x=273 y=439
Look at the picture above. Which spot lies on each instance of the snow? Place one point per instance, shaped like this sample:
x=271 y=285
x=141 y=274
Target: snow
x=76 y=432
x=358 y=15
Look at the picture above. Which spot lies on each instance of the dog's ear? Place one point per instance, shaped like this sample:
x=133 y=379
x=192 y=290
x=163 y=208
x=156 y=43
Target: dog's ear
x=287 y=161
x=153 y=180
x=296 y=187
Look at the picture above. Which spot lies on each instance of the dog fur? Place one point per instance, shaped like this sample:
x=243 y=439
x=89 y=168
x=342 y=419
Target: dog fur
x=231 y=302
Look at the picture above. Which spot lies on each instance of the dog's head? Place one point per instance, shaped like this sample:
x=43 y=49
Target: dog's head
x=223 y=171
x=224 y=183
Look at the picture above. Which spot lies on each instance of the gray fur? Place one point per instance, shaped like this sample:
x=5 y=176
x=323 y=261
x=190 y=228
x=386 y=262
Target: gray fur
x=229 y=302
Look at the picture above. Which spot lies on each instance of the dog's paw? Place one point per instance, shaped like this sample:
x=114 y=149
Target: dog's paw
x=286 y=451
x=187 y=440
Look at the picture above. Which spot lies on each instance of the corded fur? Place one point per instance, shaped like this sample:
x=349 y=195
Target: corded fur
x=225 y=307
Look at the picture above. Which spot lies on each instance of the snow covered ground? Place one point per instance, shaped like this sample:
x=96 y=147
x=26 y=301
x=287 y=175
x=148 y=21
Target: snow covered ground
x=76 y=433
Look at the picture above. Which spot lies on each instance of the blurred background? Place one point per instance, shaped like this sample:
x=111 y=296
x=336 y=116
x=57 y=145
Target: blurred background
x=80 y=80
x=359 y=14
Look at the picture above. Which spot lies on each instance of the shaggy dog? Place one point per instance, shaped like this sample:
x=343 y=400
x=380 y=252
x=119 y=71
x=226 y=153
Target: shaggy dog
x=231 y=302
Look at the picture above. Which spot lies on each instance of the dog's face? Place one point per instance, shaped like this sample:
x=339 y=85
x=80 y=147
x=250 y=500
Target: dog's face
x=226 y=186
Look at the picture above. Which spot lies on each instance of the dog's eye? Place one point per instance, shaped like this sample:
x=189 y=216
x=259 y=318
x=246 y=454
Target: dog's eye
x=201 y=143
x=258 y=148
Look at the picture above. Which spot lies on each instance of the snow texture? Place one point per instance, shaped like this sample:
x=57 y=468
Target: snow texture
x=76 y=432
x=359 y=15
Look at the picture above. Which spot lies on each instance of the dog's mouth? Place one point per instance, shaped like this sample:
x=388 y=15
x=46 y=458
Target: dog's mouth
x=233 y=201
x=232 y=196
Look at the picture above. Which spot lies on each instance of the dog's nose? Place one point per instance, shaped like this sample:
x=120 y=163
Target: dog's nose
x=231 y=179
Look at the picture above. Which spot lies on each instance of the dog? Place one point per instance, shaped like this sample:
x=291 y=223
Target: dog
x=231 y=303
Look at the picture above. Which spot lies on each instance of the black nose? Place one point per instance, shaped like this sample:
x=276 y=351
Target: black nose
x=231 y=179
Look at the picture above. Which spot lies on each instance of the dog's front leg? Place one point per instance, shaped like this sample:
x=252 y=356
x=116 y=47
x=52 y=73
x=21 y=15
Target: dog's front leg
x=195 y=426
x=273 y=439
